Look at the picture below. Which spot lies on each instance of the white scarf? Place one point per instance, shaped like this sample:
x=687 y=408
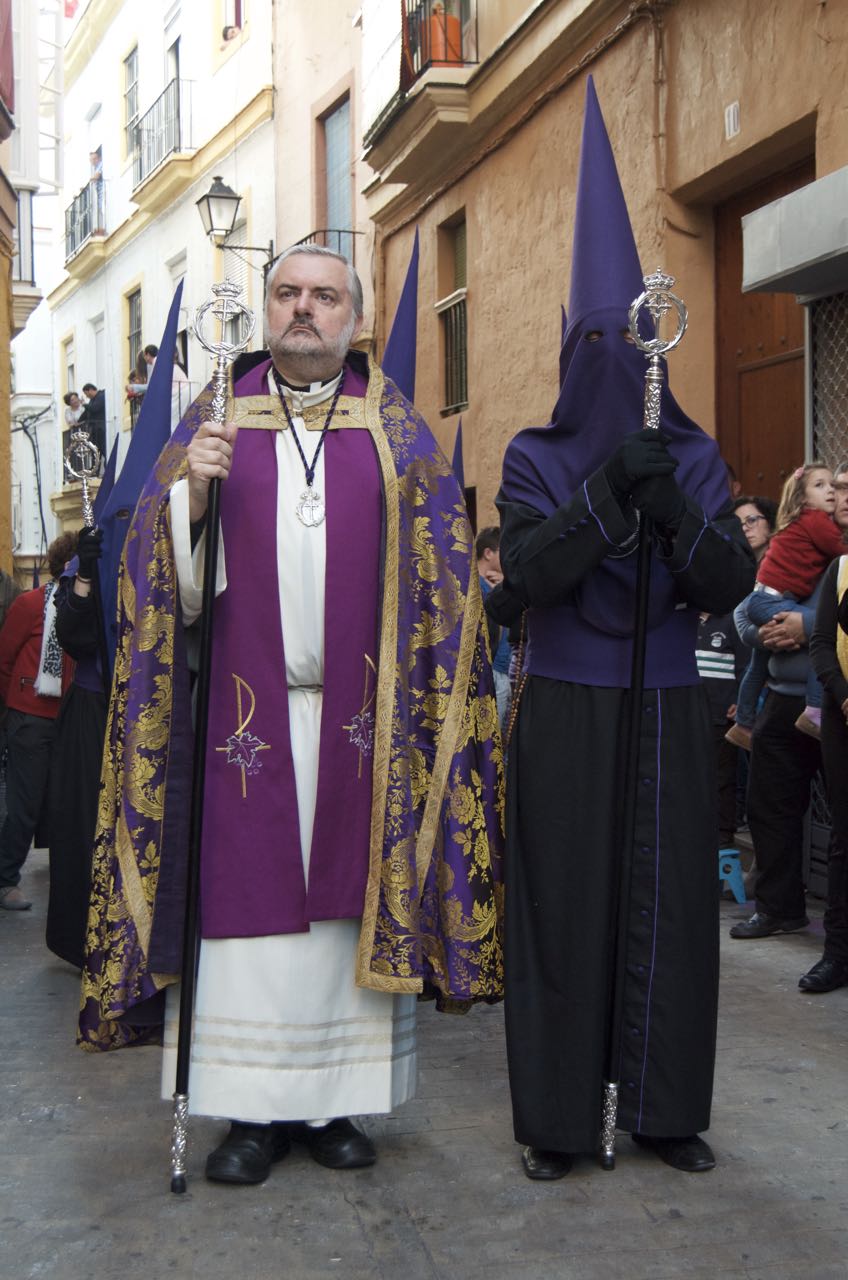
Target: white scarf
x=48 y=682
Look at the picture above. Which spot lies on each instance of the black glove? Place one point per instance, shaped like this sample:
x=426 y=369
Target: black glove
x=661 y=498
x=89 y=551
x=640 y=456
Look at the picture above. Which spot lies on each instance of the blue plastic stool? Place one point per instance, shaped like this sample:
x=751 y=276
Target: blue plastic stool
x=730 y=871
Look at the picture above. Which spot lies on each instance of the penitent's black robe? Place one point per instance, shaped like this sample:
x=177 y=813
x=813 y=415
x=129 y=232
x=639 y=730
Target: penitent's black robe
x=565 y=798
x=75 y=778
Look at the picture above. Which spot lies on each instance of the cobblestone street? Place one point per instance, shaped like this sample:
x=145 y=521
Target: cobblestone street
x=85 y=1172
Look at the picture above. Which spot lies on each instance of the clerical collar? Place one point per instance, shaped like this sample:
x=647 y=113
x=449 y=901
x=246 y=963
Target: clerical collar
x=306 y=388
x=303 y=397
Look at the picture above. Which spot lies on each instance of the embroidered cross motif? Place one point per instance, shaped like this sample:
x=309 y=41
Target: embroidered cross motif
x=361 y=727
x=243 y=748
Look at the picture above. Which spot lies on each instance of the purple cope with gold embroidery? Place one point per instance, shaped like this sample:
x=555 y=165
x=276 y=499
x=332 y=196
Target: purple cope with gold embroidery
x=432 y=900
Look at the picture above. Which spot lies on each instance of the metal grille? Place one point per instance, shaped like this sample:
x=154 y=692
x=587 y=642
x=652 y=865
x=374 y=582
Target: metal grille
x=454 y=318
x=829 y=369
x=84 y=217
x=829 y=388
x=436 y=33
x=340 y=241
x=162 y=130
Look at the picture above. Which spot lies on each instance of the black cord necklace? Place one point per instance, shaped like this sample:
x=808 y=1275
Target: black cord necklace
x=310 y=509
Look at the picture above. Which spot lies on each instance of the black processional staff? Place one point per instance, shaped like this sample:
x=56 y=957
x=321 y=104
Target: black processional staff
x=82 y=462
x=224 y=307
x=658 y=300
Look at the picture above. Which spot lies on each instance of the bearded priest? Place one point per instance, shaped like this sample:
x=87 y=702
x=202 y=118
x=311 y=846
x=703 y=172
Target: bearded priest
x=352 y=824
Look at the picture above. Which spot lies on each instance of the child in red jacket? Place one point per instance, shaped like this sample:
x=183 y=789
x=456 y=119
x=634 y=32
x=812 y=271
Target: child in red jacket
x=805 y=542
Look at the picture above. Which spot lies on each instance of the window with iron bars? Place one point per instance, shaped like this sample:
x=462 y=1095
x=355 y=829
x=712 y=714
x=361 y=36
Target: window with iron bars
x=23 y=261
x=454 y=316
x=134 y=344
x=131 y=100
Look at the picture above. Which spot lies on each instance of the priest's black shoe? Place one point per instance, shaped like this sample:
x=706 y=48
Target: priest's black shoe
x=247 y=1153
x=763 y=926
x=689 y=1155
x=337 y=1145
x=827 y=975
x=545 y=1166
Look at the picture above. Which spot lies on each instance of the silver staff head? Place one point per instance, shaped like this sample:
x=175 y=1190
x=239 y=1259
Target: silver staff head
x=225 y=306
x=658 y=300
x=82 y=462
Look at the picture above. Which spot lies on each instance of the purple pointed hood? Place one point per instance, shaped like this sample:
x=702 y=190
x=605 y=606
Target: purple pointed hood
x=398 y=361
x=457 y=462
x=603 y=374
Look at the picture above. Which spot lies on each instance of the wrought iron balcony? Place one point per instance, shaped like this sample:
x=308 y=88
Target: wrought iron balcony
x=162 y=130
x=85 y=217
x=437 y=33
x=343 y=242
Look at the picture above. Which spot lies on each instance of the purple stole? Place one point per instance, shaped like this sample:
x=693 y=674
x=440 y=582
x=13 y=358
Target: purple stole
x=252 y=880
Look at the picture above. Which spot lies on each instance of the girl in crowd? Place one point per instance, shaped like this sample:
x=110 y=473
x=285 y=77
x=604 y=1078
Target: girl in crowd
x=805 y=541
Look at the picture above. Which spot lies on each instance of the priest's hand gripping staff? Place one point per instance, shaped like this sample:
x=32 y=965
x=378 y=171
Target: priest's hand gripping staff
x=82 y=462
x=224 y=308
x=658 y=300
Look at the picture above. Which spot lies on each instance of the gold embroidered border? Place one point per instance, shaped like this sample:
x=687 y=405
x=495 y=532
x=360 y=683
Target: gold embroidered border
x=841 y=637
x=133 y=888
x=386 y=676
x=255 y=412
x=450 y=730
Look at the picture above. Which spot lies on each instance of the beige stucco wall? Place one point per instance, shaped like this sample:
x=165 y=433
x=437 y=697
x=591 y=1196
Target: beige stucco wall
x=663 y=95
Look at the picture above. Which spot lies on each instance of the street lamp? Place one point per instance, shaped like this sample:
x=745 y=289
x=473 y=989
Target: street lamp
x=218 y=210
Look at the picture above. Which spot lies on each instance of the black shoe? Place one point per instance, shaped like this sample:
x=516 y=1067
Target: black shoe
x=689 y=1155
x=545 y=1166
x=337 y=1145
x=762 y=926
x=827 y=975
x=247 y=1153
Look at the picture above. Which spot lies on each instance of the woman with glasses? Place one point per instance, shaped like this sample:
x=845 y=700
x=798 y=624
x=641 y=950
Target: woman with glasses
x=757 y=517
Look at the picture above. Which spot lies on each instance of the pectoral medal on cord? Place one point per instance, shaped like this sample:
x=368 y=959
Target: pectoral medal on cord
x=310 y=510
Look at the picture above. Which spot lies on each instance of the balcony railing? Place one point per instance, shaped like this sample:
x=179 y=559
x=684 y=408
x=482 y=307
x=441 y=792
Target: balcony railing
x=437 y=33
x=343 y=242
x=165 y=128
x=85 y=216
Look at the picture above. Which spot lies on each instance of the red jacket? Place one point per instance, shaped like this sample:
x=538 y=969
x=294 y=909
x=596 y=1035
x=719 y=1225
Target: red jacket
x=798 y=555
x=20 y=655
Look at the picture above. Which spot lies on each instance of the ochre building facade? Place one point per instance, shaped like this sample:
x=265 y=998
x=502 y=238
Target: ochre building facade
x=714 y=109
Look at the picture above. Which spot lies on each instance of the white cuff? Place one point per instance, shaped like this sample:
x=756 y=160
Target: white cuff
x=190 y=564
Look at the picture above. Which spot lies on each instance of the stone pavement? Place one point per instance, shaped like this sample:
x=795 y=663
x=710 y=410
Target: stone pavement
x=84 y=1170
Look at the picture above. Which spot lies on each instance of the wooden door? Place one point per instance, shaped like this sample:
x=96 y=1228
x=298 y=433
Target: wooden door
x=759 y=353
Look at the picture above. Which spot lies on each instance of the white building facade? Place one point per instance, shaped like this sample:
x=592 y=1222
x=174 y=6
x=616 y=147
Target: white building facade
x=157 y=102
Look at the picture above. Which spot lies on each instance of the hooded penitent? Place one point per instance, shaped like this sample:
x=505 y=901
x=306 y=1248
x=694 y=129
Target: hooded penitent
x=399 y=355
x=600 y=402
